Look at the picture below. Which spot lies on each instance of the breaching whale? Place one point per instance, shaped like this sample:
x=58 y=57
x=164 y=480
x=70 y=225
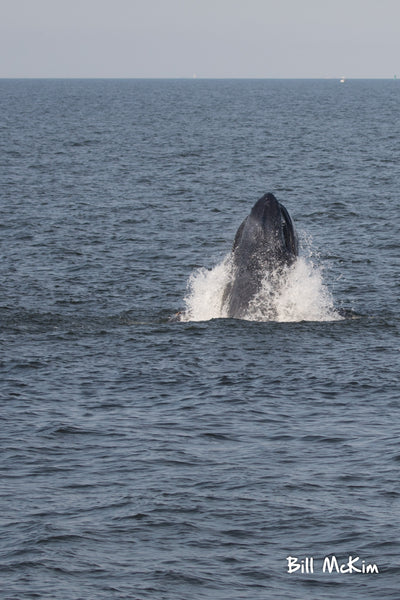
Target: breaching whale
x=265 y=244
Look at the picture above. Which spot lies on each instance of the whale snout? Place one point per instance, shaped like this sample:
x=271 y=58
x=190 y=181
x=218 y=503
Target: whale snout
x=266 y=209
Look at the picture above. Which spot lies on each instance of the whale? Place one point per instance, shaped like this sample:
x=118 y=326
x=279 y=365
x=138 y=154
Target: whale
x=264 y=246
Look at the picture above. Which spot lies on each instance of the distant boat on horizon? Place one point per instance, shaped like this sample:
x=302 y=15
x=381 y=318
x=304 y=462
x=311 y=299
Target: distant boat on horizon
x=342 y=80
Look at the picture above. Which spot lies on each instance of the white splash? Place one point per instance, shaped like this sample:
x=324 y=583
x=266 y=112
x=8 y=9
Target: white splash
x=299 y=294
x=205 y=291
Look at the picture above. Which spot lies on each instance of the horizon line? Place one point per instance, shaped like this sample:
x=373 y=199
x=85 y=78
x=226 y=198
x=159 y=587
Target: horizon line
x=196 y=77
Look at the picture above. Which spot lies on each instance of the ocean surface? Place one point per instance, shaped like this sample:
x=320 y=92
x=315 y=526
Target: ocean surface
x=150 y=458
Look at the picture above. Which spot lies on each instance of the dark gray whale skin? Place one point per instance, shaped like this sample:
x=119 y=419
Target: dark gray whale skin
x=265 y=242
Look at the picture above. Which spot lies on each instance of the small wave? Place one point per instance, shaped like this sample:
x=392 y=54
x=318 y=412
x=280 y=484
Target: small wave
x=297 y=294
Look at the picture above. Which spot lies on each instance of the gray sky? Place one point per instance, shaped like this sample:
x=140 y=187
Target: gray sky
x=212 y=38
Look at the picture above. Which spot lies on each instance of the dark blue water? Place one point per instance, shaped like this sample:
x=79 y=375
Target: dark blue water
x=148 y=459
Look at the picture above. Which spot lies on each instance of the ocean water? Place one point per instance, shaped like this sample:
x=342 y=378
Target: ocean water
x=144 y=457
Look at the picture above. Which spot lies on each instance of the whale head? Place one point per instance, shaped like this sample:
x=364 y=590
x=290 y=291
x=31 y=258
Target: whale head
x=267 y=234
x=265 y=242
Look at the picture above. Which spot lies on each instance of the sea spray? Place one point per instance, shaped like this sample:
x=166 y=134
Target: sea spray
x=205 y=292
x=301 y=295
x=296 y=293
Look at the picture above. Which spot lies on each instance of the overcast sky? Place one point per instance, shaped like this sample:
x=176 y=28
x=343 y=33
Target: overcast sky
x=209 y=38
